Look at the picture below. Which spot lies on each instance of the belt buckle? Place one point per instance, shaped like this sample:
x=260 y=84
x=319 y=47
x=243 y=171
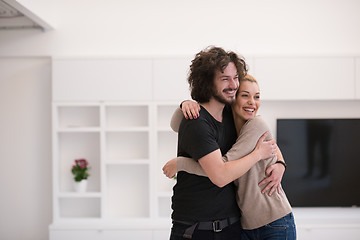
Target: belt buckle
x=216 y=226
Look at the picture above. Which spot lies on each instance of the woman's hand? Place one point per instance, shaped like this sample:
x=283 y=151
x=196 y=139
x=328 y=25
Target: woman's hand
x=170 y=169
x=190 y=109
x=275 y=173
x=265 y=149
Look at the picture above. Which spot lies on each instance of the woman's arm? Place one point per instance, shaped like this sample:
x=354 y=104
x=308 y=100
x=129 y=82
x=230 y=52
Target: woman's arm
x=188 y=109
x=178 y=164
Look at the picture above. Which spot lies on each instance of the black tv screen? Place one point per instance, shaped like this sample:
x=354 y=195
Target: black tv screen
x=323 y=157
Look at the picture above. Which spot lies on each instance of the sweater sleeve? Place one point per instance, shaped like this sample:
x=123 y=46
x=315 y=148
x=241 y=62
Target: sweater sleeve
x=249 y=135
x=189 y=165
x=176 y=119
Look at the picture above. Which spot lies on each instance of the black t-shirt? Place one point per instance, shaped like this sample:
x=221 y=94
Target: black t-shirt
x=196 y=198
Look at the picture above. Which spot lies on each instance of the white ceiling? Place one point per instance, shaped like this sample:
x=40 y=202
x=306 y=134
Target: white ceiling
x=13 y=15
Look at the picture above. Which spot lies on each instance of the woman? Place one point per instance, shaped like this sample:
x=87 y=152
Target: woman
x=264 y=216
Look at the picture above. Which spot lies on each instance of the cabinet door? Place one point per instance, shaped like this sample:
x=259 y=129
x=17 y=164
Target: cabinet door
x=305 y=78
x=102 y=79
x=357 y=72
x=170 y=79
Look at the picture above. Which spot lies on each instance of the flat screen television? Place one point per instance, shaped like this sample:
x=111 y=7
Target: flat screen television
x=323 y=157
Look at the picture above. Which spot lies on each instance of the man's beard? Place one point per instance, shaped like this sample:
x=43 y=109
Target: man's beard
x=220 y=98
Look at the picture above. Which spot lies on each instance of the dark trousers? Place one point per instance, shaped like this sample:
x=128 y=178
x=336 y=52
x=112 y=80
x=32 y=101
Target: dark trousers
x=232 y=232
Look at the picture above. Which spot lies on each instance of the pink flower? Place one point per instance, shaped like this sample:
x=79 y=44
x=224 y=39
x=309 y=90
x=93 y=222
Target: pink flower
x=80 y=169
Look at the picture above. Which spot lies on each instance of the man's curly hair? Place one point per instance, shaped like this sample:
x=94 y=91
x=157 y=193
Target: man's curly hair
x=203 y=68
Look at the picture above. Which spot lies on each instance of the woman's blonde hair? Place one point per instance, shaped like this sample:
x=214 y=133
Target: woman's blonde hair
x=249 y=78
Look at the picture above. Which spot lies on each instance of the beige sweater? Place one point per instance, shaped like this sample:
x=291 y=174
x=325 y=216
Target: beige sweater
x=257 y=209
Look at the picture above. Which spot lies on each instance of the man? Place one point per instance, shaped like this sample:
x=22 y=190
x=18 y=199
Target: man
x=205 y=208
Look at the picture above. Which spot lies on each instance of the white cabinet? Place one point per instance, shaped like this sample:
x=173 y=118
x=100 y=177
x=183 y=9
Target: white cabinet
x=102 y=79
x=305 y=78
x=170 y=79
x=126 y=145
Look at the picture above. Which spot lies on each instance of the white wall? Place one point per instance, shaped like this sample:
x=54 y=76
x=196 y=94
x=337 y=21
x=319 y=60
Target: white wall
x=25 y=148
x=131 y=28
x=163 y=27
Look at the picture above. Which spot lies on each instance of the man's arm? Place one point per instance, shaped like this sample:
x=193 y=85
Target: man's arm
x=222 y=173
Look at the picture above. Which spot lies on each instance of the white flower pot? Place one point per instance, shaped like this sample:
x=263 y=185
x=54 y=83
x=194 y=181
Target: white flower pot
x=80 y=186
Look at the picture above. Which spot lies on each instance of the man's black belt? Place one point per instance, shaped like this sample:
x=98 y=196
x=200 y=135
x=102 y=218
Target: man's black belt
x=216 y=226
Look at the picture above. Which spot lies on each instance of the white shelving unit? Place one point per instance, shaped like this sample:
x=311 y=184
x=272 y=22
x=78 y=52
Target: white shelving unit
x=115 y=112
x=126 y=145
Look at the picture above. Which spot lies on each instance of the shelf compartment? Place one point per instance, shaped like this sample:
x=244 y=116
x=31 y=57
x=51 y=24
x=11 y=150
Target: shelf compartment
x=167 y=150
x=128 y=186
x=79 y=207
x=75 y=146
x=164 y=204
x=127 y=116
x=126 y=146
x=74 y=117
x=164 y=114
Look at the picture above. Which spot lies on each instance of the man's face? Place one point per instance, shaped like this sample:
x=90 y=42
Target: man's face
x=226 y=84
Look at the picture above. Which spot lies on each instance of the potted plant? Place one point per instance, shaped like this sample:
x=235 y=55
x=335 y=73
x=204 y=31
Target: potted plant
x=80 y=171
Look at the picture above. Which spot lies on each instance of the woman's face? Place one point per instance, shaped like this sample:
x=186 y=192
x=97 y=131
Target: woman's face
x=247 y=101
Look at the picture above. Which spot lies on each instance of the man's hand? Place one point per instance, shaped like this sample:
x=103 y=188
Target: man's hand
x=275 y=173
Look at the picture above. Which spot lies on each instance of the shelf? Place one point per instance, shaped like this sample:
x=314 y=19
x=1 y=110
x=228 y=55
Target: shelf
x=79 y=195
x=79 y=207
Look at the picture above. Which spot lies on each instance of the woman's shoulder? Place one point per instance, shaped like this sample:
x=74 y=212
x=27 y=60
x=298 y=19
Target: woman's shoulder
x=256 y=126
x=256 y=121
